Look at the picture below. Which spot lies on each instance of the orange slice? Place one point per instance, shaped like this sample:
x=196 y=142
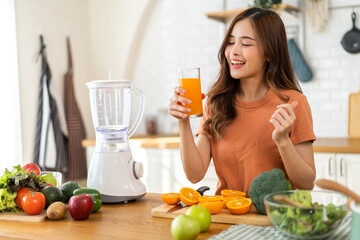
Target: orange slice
x=189 y=196
x=239 y=206
x=213 y=207
x=211 y=198
x=228 y=199
x=170 y=198
x=228 y=193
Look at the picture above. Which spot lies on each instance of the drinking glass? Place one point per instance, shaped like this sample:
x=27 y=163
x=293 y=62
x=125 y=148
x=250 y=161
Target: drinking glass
x=189 y=79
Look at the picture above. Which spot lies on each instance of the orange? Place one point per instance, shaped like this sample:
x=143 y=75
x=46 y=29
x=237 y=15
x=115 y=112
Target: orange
x=212 y=198
x=213 y=207
x=228 y=199
x=189 y=196
x=228 y=193
x=239 y=206
x=170 y=198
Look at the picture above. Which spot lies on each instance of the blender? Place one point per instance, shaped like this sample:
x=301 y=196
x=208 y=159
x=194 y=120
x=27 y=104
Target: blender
x=113 y=171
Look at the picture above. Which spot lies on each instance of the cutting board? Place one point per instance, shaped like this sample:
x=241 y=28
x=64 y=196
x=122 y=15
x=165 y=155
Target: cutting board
x=251 y=218
x=22 y=217
x=354 y=115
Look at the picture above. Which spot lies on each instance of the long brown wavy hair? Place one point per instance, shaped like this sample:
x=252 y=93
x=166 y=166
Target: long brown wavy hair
x=279 y=74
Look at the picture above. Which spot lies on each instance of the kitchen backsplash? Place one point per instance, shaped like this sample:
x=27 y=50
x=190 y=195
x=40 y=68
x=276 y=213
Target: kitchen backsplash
x=180 y=35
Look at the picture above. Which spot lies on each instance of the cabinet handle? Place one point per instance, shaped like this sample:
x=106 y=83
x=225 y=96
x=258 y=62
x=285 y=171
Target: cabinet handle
x=342 y=161
x=329 y=166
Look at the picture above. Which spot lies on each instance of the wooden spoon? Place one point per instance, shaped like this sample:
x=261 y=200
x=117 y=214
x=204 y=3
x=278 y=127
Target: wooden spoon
x=332 y=185
x=288 y=201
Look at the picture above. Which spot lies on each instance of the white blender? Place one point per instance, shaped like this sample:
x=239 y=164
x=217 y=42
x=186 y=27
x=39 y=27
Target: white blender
x=112 y=171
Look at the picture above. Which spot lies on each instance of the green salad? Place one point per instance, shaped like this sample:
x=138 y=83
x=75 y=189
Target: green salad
x=313 y=221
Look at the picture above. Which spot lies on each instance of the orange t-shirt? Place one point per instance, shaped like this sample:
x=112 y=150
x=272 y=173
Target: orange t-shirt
x=247 y=148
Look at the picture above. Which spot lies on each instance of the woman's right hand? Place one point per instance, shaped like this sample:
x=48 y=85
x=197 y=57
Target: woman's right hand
x=177 y=107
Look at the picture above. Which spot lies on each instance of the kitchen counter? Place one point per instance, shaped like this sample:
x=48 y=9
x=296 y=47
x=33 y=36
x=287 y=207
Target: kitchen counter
x=113 y=221
x=338 y=145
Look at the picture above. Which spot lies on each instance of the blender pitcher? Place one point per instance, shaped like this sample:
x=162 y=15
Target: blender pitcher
x=112 y=171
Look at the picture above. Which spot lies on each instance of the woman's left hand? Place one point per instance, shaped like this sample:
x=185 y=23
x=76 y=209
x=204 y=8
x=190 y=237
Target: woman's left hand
x=282 y=119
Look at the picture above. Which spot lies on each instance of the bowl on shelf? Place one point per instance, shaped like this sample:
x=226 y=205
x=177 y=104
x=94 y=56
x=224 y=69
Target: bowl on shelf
x=319 y=216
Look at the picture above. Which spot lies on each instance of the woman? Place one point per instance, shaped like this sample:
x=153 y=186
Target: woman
x=256 y=117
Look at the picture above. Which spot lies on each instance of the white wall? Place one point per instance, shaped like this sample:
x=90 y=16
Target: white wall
x=336 y=72
x=55 y=19
x=101 y=34
x=147 y=40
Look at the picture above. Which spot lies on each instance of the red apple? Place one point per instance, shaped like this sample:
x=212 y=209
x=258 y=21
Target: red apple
x=80 y=206
x=32 y=167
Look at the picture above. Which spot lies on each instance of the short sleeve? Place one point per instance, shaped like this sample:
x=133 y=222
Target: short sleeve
x=302 y=129
x=203 y=119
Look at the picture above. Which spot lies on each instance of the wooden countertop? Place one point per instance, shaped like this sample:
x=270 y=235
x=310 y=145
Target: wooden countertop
x=113 y=221
x=337 y=145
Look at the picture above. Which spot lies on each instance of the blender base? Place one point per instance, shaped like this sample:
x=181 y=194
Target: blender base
x=119 y=199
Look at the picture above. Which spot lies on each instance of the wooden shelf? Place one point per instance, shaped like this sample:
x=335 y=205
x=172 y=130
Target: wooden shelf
x=226 y=15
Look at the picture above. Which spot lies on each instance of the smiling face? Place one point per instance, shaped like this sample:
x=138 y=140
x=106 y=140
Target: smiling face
x=244 y=53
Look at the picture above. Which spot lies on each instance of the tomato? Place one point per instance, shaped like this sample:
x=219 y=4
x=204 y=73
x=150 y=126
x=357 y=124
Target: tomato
x=32 y=167
x=33 y=203
x=20 y=194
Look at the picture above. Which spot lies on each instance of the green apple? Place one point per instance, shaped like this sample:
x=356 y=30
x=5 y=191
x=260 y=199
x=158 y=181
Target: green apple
x=185 y=227
x=202 y=215
x=49 y=178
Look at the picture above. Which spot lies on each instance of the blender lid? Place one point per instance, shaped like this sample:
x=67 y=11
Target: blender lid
x=109 y=83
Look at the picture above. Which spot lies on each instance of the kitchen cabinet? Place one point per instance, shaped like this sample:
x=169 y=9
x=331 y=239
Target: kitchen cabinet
x=340 y=167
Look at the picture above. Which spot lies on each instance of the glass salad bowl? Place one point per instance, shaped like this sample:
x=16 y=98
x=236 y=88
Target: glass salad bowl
x=320 y=216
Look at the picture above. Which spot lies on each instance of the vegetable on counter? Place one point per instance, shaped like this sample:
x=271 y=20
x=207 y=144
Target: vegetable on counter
x=313 y=221
x=12 y=182
x=265 y=183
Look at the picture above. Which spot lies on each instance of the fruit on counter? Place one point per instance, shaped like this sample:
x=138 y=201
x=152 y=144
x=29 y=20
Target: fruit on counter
x=95 y=195
x=170 y=198
x=239 y=206
x=266 y=183
x=202 y=215
x=68 y=189
x=56 y=211
x=32 y=167
x=185 y=227
x=52 y=194
x=50 y=178
x=33 y=203
x=189 y=196
x=228 y=199
x=20 y=194
x=229 y=193
x=80 y=206
x=210 y=198
x=213 y=207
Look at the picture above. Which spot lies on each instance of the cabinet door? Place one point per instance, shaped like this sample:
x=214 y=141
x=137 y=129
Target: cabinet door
x=325 y=166
x=348 y=171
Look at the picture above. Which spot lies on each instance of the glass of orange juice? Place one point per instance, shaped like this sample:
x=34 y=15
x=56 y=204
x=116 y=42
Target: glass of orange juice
x=189 y=79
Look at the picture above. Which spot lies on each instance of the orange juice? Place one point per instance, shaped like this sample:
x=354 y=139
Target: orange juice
x=192 y=87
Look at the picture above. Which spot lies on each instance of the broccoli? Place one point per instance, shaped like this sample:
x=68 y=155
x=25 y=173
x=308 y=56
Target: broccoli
x=265 y=183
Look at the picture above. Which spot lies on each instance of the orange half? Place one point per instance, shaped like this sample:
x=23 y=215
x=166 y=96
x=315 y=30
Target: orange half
x=228 y=199
x=213 y=207
x=170 y=198
x=239 y=206
x=228 y=193
x=212 y=198
x=189 y=196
